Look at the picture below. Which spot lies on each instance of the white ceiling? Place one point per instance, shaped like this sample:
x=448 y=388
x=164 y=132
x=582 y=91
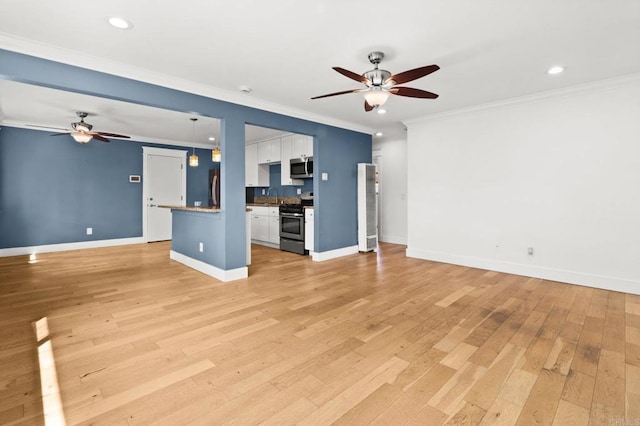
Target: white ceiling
x=488 y=50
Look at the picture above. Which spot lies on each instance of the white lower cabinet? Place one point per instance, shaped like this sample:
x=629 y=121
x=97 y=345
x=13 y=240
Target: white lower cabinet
x=265 y=226
x=274 y=229
x=308 y=230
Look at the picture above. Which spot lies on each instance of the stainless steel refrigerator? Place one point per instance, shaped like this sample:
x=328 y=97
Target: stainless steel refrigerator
x=214 y=188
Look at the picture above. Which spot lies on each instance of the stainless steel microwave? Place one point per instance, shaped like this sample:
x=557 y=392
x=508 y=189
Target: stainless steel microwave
x=301 y=168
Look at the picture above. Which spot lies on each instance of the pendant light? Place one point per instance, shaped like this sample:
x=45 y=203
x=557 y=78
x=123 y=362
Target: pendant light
x=216 y=155
x=193 y=158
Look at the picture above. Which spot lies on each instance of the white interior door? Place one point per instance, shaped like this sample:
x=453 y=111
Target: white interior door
x=164 y=186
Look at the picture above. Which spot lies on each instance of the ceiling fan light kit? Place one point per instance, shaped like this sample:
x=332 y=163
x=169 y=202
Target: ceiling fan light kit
x=81 y=137
x=376 y=96
x=381 y=83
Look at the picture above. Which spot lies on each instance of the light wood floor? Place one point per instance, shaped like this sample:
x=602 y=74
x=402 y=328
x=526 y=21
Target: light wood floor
x=367 y=339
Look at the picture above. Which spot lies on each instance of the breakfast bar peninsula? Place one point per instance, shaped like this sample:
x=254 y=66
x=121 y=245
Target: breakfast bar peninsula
x=195 y=232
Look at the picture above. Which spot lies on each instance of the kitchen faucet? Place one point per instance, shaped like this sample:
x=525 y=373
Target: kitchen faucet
x=275 y=190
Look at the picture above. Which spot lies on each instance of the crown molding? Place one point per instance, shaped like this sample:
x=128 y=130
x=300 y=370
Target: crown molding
x=552 y=94
x=120 y=69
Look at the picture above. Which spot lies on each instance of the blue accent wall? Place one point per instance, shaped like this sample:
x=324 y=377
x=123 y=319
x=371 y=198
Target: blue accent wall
x=275 y=174
x=54 y=188
x=334 y=148
x=336 y=199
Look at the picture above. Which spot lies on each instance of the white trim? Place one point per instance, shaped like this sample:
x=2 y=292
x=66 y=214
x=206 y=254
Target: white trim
x=571 y=277
x=333 y=254
x=560 y=93
x=148 y=150
x=393 y=239
x=165 y=152
x=49 y=248
x=266 y=243
x=210 y=270
x=83 y=60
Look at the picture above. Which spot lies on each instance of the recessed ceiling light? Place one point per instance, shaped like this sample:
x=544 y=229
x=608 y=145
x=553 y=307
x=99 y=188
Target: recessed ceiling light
x=382 y=111
x=555 y=70
x=378 y=134
x=212 y=138
x=120 y=23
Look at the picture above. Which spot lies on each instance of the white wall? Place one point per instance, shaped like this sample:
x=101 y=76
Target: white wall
x=559 y=173
x=393 y=190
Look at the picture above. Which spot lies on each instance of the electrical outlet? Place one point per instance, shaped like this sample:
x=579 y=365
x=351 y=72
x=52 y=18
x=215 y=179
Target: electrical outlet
x=299 y=191
x=201 y=247
x=263 y=192
x=325 y=176
x=530 y=251
x=89 y=231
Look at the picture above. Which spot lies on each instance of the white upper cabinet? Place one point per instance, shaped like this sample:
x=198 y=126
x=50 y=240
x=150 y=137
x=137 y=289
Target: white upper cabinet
x=285 y=165
x=302 y=146
x=269 y=151
x=254 y=173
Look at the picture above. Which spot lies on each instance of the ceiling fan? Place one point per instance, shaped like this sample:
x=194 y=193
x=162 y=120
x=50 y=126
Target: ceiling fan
x=82 y=133
x=380 y=83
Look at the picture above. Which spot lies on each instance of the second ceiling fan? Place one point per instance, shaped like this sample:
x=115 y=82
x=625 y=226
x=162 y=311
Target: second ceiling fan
x=82 y=133
x=381 y=83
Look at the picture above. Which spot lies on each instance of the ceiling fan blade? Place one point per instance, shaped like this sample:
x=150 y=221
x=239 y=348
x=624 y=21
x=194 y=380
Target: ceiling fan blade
x=338 y=93
x=412 y=93
x=100 y=138
x=113 y=135
x=353 y=76
x=414 y=74
x=60 y=134
x=367 y=107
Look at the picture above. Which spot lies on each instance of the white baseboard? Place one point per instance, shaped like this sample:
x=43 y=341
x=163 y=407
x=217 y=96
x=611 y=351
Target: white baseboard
x=333 y=254
x=571 y=277
x=212 y=271
x=266 y=244
x=393 y=239
x=48 y=248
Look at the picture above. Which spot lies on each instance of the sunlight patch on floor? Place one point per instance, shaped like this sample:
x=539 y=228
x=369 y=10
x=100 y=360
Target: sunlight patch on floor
x=51 y=402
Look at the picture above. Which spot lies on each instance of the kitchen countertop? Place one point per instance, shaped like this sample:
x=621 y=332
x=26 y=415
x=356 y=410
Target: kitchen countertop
x=201 y=209
x=270 y=205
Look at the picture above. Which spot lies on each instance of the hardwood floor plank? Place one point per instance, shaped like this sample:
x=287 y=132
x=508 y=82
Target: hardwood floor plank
x=543 y=400
x=486 y=389
x=569 y=414
x=107 y=404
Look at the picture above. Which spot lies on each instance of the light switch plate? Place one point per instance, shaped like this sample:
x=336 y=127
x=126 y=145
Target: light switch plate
x=325 y=176
x=299 y=191
x=89 y=231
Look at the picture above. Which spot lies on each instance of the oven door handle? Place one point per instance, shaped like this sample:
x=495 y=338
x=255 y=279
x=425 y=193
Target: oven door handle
x=292 y=214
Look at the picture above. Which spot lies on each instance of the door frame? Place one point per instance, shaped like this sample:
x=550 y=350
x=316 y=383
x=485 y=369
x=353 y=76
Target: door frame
x=147 y=150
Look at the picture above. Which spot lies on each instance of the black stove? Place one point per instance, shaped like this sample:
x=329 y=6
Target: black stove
x=292 y=228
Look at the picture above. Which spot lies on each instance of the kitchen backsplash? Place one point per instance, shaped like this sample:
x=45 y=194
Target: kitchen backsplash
x=280 y=200
x=283 y=191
